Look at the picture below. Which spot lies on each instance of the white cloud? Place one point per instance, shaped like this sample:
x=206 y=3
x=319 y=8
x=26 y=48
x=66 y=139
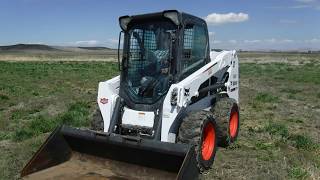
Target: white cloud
x=87 y=43
x=211 y=37
x=38 y=42
x=233 y=41
x=264 y=41
x=274 y=40
x=217 y=19
x=113 y=43
x=286 y=41
x=270 y=44
x=252 y=41
x=217 y=42
x=314 y=40
x=211 y=34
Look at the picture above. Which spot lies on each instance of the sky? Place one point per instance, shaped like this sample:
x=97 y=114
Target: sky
x=241 y=24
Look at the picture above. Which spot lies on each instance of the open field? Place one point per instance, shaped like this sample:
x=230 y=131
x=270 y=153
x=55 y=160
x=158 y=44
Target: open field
x=280 y=111
x=59 y=53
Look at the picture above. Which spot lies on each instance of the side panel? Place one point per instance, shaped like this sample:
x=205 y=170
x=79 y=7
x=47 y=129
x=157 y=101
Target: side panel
x=229 y=58
x=107 y=94
x=233 y=82
x=188 y=88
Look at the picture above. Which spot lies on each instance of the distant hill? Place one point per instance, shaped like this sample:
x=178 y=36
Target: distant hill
x=95 y=48
x=39 y=48
x=22 y=47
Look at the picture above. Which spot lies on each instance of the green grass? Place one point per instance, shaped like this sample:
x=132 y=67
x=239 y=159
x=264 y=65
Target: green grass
x=36 y=97
x=317 y=160
x=298 y=173
x=284 y=72
x=303 y=142
x=294 y=120
x=76 y=116
x=15 y=155
x=45 y=79
x=4 y=136
x=4 y=97
x=264 y=145
x=291 y=91
x=277 y=129
x=23 y=113
x=274 y=141
x=266 y=98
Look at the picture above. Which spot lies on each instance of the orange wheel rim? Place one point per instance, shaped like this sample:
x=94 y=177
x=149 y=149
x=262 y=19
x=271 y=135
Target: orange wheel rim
x=208 y=143
x=233 y=124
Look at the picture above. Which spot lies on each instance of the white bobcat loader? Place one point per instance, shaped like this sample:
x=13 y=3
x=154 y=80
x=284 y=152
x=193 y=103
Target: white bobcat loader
x=163 y=117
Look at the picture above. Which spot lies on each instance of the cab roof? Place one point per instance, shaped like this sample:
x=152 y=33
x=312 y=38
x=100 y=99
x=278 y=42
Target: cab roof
x=181 y=17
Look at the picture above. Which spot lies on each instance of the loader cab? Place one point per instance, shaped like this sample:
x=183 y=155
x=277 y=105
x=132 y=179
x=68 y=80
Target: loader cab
x=159 y=49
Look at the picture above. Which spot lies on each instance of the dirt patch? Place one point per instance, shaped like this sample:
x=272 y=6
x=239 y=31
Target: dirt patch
x=86 y=167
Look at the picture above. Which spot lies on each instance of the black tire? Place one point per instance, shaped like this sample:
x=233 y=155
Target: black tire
x=223 y=110
x=191 y=131
x=97 y=121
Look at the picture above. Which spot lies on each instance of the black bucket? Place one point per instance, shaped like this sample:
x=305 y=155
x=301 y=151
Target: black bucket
x=71 y=153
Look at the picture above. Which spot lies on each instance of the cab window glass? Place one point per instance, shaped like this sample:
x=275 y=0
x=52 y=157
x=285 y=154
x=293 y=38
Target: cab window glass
x=194 y=49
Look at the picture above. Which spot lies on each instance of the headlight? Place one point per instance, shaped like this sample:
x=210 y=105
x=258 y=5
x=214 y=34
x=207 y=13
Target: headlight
x=174 y=97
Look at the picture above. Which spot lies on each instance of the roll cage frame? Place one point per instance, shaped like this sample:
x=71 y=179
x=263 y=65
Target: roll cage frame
x=180 y=20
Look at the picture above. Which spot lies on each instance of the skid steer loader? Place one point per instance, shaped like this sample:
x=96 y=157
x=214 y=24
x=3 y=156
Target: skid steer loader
x=163 y=117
